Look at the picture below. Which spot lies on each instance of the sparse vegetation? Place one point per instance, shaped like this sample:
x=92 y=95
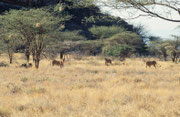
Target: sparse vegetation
x=101 y=71
x=85 y=88
x=4 y=113
x=24 y=79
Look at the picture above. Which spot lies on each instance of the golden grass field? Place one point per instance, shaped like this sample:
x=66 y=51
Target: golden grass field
x=88 y=88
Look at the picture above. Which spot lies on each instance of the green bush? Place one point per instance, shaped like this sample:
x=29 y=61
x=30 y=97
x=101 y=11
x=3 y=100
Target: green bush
x=102 y=32
x=117 y=51
x=71 y=36
x=128 y=38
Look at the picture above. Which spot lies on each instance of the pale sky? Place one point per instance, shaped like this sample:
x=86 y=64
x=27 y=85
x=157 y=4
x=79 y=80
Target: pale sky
x=158 y=27
x=155 y=26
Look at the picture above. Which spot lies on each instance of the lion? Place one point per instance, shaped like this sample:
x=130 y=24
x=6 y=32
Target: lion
x=108 y=61
x=151 y=63
x=58 y=63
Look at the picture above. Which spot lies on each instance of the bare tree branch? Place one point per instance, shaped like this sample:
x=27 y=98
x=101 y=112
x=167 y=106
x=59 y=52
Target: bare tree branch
x=155 y=8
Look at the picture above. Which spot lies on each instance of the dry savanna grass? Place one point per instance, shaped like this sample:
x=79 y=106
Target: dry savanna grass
x=89 y=88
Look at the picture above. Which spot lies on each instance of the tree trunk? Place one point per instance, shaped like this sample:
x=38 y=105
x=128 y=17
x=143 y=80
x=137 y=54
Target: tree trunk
x=10 y=59
x=10 y=54
x=37 y=60
x=173 y=56
x=33 y=54
x=61 y=54
x=27 y=57
x=173 y=60
x=165 y=56
x=34 y=57
x=27 y=54
x=27 y=49
x=37 y=63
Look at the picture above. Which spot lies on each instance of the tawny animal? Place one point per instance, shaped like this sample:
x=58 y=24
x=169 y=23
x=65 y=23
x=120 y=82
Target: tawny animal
x=58 y=63
x=108 y=61
x=151 y=63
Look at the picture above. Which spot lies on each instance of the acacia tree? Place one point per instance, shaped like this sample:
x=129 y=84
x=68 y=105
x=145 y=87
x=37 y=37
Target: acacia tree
x=174 y=48
x=128 y=38
x=165 y=48
x=9 y=42
x=158 y=48
x=37 y=27
x=155 y=8
x=123 y=45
